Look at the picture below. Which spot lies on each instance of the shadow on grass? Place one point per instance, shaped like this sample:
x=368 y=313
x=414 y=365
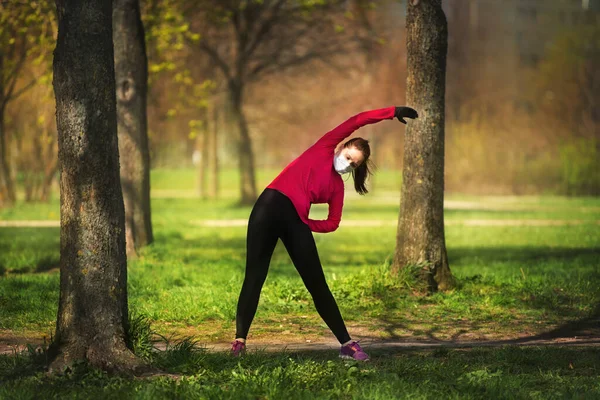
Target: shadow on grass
x=281 y=267
x=319 y=369
x=519 y=254
x=43 y=265
x=586 y=329
x=235 y=249
x=24 y=298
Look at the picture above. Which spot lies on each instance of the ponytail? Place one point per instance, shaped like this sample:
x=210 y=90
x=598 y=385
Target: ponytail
x=365 y=169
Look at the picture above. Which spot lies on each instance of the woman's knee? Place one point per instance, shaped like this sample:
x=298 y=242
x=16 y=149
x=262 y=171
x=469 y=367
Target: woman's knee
x=318 y=288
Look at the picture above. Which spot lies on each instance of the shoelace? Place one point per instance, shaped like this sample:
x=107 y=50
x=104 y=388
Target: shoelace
x=355 y=346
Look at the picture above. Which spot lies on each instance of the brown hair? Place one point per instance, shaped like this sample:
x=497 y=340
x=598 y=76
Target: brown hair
x=365 y=169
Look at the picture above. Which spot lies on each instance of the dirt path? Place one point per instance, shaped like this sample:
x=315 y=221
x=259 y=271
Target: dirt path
x=14 y=344
x=30 y=224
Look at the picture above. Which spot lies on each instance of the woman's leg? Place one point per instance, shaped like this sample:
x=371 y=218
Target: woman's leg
x=260 y=243
x=300 y=244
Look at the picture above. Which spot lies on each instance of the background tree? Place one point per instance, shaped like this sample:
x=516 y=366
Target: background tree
x=93 y=311
x=34 y=144
x=181 y=84
x=566 y=92
x=421 y=239
x=25 y=31
x=131 y=76
x=250 y=40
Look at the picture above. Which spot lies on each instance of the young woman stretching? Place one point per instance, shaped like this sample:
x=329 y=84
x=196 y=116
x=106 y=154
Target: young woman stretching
x=281 y=212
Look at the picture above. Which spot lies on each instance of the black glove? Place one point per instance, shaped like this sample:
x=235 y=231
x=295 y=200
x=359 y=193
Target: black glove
x=405 y=112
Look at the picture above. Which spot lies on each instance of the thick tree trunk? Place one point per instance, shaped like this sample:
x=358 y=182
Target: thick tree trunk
x=93 y=311
x=131 y=77
x=421 y=239
x=245 y=154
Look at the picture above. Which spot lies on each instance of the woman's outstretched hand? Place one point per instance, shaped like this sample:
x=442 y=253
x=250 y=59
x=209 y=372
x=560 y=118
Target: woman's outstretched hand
x=405 y=112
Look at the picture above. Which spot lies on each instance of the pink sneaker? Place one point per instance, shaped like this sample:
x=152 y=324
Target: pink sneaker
x=238 y=348
x=353 y=351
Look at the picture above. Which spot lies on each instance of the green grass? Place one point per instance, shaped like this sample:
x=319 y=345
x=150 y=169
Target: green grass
x=513 y=281
x=500 y=373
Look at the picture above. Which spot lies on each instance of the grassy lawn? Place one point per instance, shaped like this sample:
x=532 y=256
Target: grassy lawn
x=503 y=373
x=514 y=280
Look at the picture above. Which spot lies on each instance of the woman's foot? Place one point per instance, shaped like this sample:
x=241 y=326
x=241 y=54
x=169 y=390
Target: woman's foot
x=238 y=348
x=353 y=351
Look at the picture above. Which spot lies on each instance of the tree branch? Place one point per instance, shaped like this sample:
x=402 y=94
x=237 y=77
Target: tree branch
x=25 y=88
x=281 y=66
x=214 y=55
x=264 y=28
x=13 y=75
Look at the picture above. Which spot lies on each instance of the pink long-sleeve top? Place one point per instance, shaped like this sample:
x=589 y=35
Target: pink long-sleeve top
x=312 y=179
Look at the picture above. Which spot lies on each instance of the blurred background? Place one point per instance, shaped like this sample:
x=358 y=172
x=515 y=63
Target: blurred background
x=522 y=94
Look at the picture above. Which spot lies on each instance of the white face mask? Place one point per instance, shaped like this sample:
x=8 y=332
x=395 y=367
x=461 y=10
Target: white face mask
x=341 y=165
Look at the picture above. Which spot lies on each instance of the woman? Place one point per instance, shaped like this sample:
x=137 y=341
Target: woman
x=281 y=212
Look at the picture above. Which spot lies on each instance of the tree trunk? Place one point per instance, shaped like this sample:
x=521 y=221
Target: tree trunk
x=420 y=239
x=245 y=154
x=214 y=117
x=131 y=77
x=93 y=311
x=50 y=168
x=31 y=167
x=202 y=149
x=46 y=188
x=7 y=189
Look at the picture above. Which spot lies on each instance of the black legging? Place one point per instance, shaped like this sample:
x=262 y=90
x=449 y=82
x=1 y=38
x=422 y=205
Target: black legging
x=274 y=217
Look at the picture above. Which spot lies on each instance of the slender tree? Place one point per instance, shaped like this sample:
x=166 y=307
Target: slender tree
x=93 y=311
x=251 y=40
x=201 y=152
x=420 y=239
x=131 y=76
x=214 y=127
x=25 y=32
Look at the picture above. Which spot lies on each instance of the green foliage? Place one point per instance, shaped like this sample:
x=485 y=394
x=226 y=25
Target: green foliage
x=167 y=34
x=178 y=78
x=489 y=163
x=27 y=32
x=139 y=335
x=580 y=167
x=182 y=356
x=568 y=80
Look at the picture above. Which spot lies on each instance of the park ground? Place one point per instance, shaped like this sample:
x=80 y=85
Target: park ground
x=526 y=269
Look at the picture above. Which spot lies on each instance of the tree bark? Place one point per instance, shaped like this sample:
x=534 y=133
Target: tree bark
x=246 y=156
x=420 y=239
x=131 y=77
x=93 y=310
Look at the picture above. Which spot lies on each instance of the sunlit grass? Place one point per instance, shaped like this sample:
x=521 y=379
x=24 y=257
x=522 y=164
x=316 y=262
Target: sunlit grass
x=512 y=281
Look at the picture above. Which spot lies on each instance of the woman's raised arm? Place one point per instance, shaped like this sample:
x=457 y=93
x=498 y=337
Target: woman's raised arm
x=332 y=138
